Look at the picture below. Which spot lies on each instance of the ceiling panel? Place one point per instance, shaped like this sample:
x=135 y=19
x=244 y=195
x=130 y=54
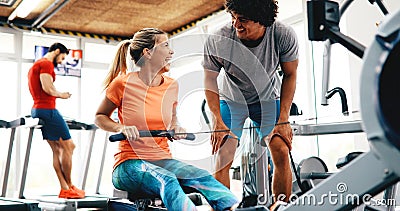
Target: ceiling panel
x=117 y=18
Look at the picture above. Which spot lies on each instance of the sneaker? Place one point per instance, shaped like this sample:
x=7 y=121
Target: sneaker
x=248 y=201
x=69 y=194
x=81 y=192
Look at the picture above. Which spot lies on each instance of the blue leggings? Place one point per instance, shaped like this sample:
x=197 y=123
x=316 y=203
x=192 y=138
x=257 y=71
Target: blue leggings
x=166 y=178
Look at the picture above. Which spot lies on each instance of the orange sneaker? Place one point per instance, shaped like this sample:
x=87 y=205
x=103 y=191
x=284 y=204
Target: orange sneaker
x=81 y=192
x=69 y=194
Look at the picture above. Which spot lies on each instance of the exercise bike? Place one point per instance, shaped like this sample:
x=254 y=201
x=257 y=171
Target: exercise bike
x=149 y=202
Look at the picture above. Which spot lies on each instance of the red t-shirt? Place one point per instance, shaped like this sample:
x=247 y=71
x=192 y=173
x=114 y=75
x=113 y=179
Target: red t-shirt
x=40 y=98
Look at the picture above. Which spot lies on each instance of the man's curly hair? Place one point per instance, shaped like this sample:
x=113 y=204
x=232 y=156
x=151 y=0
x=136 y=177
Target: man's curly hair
x=261 y=11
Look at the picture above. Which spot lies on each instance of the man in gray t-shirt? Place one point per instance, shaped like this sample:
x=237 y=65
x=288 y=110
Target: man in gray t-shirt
x=246 y=55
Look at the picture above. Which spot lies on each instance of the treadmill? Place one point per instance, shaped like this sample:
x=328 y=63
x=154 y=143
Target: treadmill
x=11 y=204
x=52 y=202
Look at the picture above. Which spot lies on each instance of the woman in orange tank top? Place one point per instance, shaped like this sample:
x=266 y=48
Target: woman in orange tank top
x=147 y=100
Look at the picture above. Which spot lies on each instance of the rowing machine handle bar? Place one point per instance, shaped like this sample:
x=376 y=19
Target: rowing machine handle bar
x=151 y=133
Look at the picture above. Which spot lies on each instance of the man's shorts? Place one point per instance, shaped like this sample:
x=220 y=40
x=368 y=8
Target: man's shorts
x=264 y=116
x=54 y=126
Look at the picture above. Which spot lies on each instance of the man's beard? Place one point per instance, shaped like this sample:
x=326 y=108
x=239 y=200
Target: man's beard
x=55 y=61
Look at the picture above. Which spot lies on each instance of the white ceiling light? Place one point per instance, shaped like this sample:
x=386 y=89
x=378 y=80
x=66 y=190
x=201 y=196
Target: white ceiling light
x=24 y=8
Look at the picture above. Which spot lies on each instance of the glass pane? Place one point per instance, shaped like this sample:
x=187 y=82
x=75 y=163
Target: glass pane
x=69 y=108
x=8 y=112
x=40 y=166
x=95 y=52
x=9 y=87
x=335 y=146
x=331 y=147
x=303 y=147
x=189 y=74
x=339 y=77
x=92 y=94
x=106 y=186
x=289 y=8
x=7 y=43
x=30 y=40
x=303 y=97
x=26 y=98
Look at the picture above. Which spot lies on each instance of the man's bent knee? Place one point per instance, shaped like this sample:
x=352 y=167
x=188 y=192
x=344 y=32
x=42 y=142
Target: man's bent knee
x=67 y=145
x=278 y=146
x=228 y=147
x=279 y=151
x=55 y=146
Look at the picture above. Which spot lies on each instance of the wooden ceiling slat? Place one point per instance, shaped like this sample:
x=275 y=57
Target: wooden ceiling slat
x=124 y=17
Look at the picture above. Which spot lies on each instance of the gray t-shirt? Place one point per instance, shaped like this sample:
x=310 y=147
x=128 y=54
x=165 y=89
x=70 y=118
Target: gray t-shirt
x=249 y=74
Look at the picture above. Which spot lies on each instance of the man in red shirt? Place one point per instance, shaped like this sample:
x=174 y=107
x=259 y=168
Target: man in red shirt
x=55 y=131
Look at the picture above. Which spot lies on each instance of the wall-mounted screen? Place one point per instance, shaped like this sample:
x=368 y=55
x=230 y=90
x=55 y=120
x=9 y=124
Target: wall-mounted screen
x=71 y=66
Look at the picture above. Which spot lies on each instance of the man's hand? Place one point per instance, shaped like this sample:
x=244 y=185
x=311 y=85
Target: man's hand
x=285 y=131
x=218 y=138
x=65 y=95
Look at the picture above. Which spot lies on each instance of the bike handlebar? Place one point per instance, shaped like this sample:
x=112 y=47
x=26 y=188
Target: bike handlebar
x=152 y=133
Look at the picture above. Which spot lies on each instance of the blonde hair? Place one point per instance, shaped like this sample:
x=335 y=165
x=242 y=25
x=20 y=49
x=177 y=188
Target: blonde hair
x=144 y=38
x=119 y=65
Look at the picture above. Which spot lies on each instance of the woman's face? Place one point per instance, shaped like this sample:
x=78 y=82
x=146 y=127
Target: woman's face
x=162 y=53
